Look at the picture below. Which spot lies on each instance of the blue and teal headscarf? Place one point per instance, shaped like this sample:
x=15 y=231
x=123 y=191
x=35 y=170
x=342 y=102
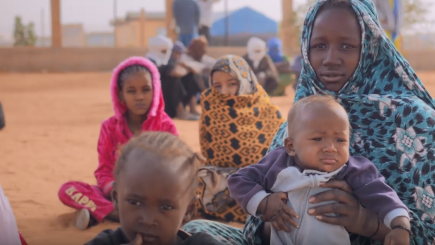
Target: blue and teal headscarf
x=391 y=113
x=274 y=49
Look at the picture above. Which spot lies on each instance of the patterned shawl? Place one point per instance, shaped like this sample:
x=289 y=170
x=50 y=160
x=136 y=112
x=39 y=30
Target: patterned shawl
x=392 y=116
x=236 y=131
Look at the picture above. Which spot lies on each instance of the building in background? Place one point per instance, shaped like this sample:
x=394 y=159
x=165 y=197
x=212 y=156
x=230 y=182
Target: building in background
x=6 y=42
x=137 y=27
x=73 y=35
x=243 y=24
x=100 y=39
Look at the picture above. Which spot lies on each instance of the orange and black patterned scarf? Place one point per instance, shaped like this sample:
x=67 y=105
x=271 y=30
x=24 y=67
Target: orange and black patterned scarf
x=235 y=131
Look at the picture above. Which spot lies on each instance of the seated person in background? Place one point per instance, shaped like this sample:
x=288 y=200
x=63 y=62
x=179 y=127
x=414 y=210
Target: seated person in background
x=282 y=64
x=316 y=151
x=154 y=215
x=237 y=124
x=296 y=69
x=138 y=106
x=166 y=56
x=199 y=65
x=262 y=64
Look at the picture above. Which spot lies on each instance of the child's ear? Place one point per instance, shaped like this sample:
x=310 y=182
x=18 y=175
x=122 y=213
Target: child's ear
x=289 y=146
x=190 y=212
x=114 y=197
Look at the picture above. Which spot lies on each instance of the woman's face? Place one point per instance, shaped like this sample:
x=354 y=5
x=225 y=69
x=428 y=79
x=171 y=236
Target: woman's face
x=225 y=83
x=335 y=47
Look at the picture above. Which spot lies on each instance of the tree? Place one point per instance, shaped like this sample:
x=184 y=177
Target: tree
x=416 y=12
x=24 y=35
x=19 y=33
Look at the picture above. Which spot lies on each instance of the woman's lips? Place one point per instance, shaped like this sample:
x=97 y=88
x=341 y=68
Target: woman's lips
x=332 y=76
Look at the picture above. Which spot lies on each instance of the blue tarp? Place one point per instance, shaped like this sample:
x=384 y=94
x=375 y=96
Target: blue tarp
x=244 y=20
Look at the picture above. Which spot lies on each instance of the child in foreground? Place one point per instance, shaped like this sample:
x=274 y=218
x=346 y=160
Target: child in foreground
x=154 y=193
x=279 y=187
x=138 y=106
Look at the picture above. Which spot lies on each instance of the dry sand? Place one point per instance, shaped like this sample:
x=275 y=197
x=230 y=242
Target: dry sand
x=52 y=127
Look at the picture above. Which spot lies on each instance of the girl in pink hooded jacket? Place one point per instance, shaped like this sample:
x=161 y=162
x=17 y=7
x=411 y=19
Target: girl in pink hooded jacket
x=138 y=105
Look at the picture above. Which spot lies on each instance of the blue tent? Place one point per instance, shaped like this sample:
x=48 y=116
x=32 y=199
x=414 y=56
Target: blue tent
x=245 y=21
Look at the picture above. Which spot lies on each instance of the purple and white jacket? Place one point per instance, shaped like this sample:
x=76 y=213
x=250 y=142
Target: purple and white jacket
x=277 y=172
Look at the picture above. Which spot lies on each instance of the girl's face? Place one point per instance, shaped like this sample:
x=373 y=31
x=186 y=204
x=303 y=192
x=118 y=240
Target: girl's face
x=335 y=47
x=137 y=93
x=225 y=83
x=152 y=200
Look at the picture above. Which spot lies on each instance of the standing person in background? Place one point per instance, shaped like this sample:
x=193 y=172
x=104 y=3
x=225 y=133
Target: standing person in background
x=2 y=117
x=282 y=64
x=206 y=10
x=262 y=64
x=390 y=14
x=186 y=14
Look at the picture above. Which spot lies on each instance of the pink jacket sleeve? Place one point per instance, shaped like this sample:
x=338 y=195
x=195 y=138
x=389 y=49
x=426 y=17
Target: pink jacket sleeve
x=106 y=158
x=169 y=126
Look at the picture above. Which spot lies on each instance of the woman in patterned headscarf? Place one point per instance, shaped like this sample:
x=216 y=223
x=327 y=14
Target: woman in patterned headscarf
x=237 y=124
x=390 y=111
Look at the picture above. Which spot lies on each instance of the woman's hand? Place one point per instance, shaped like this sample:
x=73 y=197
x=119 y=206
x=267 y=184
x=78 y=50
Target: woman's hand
x=350 y=214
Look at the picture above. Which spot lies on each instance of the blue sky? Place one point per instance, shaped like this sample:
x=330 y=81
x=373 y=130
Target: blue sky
x=95 y=14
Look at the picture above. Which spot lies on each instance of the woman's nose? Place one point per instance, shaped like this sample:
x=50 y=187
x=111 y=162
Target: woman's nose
x=331 y=57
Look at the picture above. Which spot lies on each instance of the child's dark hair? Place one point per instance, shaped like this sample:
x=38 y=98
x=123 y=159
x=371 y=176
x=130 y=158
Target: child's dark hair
x=299 y=106
x=128 y=71
x=337 y=4
x=165 y=146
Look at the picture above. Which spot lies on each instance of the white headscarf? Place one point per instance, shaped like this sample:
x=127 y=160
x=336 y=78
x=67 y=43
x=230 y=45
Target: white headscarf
x=256 y=44
x=8 y=226
x=156 y=45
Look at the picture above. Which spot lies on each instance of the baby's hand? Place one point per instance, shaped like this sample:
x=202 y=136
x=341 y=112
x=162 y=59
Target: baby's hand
x=274 y=209
x=397 y=237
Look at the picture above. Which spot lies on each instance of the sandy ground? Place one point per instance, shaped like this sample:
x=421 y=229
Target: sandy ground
x=52 y=127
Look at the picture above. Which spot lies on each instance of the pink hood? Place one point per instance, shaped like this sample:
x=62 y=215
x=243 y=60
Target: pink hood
x=158 y=104
x=157 y=119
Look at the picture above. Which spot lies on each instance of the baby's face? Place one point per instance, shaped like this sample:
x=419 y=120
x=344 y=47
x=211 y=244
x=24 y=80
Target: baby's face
x=320 y=138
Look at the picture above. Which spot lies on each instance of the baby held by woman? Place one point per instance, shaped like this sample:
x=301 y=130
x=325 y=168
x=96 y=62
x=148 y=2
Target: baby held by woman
x=279 y=187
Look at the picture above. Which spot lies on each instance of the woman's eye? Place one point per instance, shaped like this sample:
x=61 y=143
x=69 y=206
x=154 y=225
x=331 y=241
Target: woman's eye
x=317 y=139
x=348 y=46
x=233 y=84
x=319 y=46
x=133 y=202
x=166 y=207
